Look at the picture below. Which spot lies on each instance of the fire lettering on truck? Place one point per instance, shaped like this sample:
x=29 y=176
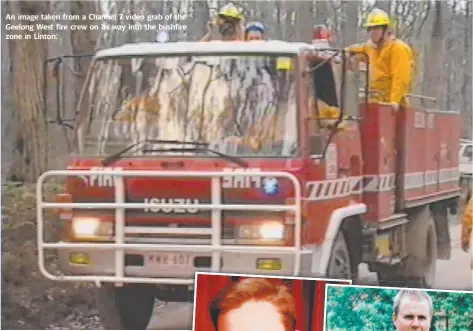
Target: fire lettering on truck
x=167 y=210
x=419 y=120
x=101 y=180
x=430 y=121
x=331 y=162
x=242 y=181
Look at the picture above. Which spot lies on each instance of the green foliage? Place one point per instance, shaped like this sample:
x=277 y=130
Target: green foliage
x=360 y=309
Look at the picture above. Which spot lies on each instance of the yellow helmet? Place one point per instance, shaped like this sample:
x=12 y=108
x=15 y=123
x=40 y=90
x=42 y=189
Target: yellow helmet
x=377 y=17
x=231 y=11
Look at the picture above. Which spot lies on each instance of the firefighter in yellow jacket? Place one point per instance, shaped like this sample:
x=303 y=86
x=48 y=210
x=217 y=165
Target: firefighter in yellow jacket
x=391 y=60
x=467 y=225
x=228 y=25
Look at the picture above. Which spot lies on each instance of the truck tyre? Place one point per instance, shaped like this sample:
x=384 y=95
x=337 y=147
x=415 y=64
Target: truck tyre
x=125 y=308
x=440 y=214
x=418 y=270
x=422 y=249
x=339 y=264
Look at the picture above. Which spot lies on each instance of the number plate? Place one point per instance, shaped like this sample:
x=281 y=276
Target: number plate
x=169 y=259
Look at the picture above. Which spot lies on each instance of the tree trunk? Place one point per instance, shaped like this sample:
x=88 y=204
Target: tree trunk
x=432 y=75
x=466 y=85
x=31 y=147
x=384 y=5
x=351 y=23
x=321 y=11
x=198 y=25
x=304 y=21
x=8 y=133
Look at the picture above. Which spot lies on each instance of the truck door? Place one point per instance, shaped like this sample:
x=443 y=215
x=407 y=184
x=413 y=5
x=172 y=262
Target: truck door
x=322 y=170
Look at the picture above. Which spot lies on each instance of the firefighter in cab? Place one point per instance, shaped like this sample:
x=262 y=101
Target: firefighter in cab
x=228 y=25
x=324 y=98
x=391 y=60
x=254 y=31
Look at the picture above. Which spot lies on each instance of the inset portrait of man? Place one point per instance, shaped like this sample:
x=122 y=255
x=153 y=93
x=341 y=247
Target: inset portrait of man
x=412 y=310
x=254 y=304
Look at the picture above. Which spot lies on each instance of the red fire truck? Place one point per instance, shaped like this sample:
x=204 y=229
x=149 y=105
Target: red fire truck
x=214 y=156
x=309 y=296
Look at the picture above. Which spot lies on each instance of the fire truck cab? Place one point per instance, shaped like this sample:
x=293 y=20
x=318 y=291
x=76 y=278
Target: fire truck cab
x=244 y=157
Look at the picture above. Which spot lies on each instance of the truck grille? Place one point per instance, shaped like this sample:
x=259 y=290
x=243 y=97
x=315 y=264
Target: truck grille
x=226 y=233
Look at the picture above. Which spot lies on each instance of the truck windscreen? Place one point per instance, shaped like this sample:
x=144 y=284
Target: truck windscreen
x=239 y=105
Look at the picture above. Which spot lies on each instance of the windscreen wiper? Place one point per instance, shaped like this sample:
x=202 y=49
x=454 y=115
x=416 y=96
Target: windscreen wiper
x=203 y=149
x=116 y=156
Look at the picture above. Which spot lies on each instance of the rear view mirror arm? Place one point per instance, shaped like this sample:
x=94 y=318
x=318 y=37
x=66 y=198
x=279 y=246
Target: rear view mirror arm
x=57 y=61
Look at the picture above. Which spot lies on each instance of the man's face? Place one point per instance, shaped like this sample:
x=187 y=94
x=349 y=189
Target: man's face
x=376 y=33
x=252 y=316
x=413 y=314
x=254 y=35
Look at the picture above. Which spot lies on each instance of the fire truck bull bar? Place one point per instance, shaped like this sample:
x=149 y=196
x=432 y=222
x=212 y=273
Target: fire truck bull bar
x=120 y=205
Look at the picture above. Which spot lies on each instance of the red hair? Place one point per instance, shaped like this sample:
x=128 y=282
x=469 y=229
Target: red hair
x=256 y=289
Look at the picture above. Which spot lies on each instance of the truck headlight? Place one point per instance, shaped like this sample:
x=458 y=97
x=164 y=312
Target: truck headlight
x=267 y=230
x=274 y=230
x=91 y=228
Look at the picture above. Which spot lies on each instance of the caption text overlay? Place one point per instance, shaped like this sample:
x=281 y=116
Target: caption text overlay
x=47 y=26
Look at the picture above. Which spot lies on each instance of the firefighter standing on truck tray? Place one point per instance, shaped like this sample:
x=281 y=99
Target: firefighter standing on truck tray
x=254 y=31
x=391 y=60
x=228 y=25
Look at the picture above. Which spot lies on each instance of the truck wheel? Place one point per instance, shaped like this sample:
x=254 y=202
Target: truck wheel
x=440 y=214
x=339 y=265
x=422 y=249
x=125 y=308
x=418 y=270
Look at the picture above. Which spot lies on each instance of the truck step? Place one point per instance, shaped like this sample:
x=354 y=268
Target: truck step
x=392 y=221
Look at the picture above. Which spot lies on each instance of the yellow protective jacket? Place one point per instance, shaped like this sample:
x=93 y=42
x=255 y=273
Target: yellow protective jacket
x=391 y=68
x=467 y=224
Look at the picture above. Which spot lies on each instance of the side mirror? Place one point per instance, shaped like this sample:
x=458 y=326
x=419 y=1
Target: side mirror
x=54 y=70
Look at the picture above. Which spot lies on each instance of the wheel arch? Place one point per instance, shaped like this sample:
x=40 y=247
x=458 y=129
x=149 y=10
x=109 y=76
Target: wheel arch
x=352 y=231
x=342 y=219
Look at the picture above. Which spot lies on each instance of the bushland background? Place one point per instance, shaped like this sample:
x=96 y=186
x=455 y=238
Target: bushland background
x=439 y=31
x=357 y=308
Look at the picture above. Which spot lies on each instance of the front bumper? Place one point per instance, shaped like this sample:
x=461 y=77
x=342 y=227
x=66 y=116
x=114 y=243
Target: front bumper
x=107 y=262
x=154 y=264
